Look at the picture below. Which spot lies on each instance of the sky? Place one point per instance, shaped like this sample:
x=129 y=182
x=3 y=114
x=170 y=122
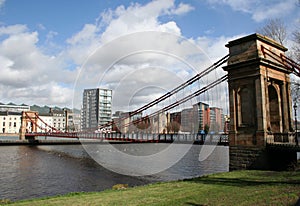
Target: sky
x=51 y=50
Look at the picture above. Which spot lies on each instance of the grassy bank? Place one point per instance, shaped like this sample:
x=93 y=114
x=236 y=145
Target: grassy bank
x=232 y=188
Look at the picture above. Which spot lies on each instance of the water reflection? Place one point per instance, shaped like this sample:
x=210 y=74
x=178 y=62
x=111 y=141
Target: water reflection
x=37 y=171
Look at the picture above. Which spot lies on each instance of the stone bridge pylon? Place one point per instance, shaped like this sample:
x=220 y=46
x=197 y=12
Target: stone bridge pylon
x=260 y=103
x=28 y=123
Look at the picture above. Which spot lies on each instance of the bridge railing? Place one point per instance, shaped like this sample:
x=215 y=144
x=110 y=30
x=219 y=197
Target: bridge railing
x=281 y=138
x=141 y=137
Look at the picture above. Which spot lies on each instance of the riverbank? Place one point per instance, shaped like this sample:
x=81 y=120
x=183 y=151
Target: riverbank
x=230 y=188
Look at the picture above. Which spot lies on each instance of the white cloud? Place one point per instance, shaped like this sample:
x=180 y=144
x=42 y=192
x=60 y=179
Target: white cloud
x=238 y=5
x=137 y=18
x=260 y=10
x=276 y=10
x=83 y=43
x=41 y=27
x=13 y=29
x=215 y=46
x=85 y=35
x=51 y=35
x=101 y=44
x=25 y=69
x=152 y=57
x=127 y=55
x=182 y=9
x=115 y=23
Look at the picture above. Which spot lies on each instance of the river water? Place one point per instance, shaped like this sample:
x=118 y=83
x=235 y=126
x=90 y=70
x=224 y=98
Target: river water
x=37 y=171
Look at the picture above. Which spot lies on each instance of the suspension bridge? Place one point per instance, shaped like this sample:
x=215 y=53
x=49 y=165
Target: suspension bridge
x=32 y=120
x=261 y=121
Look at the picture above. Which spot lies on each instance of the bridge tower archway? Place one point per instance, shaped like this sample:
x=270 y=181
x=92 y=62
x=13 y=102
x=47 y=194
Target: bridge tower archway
x=259 y=99
x=274 y=110
x=29 y=120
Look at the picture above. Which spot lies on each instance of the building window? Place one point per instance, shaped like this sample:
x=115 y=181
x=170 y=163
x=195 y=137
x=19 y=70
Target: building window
x=15 y=124
x=3 y=124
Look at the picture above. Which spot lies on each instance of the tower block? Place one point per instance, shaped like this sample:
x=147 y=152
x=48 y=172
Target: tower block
x=259 y=99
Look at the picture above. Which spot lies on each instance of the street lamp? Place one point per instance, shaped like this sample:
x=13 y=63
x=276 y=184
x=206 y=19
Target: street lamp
x=296 y=134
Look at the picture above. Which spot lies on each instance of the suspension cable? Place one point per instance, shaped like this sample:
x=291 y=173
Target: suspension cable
x=27 y=116
x=175 y=90
x=181 y=101
x=53 y=128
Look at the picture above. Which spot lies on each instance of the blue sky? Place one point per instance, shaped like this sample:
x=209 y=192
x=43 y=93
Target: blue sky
x=67 y=18
x=43 y=44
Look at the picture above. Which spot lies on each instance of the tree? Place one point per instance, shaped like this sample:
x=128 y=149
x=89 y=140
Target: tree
x=176 y=127
x=295 y=92
x=173 y=127
x=275 y=29
x=296 y=46
x=295 y=55
x=206 y=128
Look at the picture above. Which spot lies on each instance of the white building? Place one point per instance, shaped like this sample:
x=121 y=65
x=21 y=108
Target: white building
x=59 y=120
x=10 y=122
x=55 y=118
x=73 y=122
x=159 y=123
x=46 y=118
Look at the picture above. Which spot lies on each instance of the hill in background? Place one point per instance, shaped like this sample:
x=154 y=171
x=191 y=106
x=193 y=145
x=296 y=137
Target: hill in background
x=46 y=109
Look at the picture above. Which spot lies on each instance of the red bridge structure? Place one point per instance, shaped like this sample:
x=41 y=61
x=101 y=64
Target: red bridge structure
x=31 y=119
x=261 y=133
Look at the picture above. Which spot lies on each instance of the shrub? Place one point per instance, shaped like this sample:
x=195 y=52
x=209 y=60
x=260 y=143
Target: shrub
x=5 y=201
x=120 y=186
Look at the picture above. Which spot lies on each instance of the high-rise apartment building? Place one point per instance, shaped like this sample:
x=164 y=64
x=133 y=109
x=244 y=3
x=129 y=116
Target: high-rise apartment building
x=96 y=108
x=216 y=119
x=201 y=116
x=187 y=120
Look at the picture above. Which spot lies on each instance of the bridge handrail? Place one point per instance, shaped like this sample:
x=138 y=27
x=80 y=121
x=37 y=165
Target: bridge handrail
x=137 y=137
x=288 y=63
x=280 y=137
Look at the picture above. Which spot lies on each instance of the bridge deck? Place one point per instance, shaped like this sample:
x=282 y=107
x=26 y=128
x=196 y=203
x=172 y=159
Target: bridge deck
x=219 y=139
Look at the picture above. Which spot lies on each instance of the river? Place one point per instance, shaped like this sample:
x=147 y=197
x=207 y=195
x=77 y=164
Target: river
x=38 y=171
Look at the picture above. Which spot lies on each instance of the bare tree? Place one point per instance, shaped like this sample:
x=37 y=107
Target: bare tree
x=296 y=46
x=295 y=55
x=275 y=29
x=295 y=91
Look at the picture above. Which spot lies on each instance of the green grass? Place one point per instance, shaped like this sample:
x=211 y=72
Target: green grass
x=231 y=188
